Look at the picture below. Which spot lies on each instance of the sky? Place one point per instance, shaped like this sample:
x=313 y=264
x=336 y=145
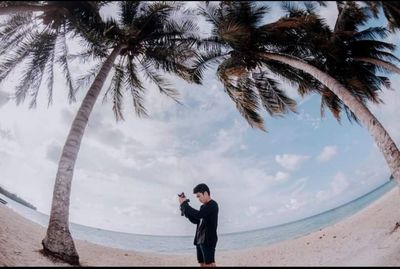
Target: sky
x=128 y=173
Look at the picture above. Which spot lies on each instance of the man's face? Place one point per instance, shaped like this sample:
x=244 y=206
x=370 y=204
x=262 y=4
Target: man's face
x=203 y=197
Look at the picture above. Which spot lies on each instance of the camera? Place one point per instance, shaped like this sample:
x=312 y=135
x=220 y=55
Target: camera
x=182 y=195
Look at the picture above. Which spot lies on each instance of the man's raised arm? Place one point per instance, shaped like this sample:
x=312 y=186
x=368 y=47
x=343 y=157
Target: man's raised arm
x=196 y=214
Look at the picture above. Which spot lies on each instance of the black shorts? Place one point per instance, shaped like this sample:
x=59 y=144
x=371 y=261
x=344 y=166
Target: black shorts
x=205 y=254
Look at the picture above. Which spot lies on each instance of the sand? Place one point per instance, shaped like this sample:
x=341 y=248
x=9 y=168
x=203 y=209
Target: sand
x=367 y=238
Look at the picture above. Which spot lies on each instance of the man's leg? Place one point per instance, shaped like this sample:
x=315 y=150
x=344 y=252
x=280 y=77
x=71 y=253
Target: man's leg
x=200 y=257
x=209 y=255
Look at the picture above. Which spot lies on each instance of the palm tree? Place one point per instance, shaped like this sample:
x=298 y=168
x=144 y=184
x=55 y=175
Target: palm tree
x=288 y=48
x=353 y=57
x=42 y=40
x=391 y=10
x=350 y=55
x=144 y=40
x=351 y=16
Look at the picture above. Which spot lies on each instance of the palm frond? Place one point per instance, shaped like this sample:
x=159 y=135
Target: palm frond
x=292 y=76
x=246 y=101
x=41 y=53
x=371 y=33
x=310 y=6
x=204 y=61
x=211 y=13
x=381 y=65
x=85 y=80
x=162 y=84
x=391 y=9
x=381 y=55
x=351 y=16
x=115 y=90
x=375 y=44
x=374 y=6
x=290 y=7
x=85 y=56
x=167 y=59
x=128 y=11
x=133 y=83
x=386 y=82
x=13 y=30
x=242 y=94
x=332 y=102
x=213 y=43
x=274 y=100
x=97 y=40
x=249 y=13
x=350 y=115
x=50 y=74
x=152 y=17
x=19 y=53
x=183 y=28
x=63 y=61
x=175 y=34
x=233 y=32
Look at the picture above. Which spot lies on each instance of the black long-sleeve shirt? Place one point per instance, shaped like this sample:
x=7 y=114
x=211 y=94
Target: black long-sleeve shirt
x=206 y=220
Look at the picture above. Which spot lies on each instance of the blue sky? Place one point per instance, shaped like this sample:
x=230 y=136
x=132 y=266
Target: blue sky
x=128 y=173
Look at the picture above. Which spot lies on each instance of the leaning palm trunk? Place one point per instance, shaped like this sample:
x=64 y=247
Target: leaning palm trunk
x=386 y=65
x=381 y=137
x=58 y=241
x=25 y=8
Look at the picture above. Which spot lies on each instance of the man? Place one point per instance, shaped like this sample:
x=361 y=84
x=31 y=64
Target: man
x=206 y=219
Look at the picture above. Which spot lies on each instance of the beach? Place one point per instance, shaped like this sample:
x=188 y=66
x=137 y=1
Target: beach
x=367 y=238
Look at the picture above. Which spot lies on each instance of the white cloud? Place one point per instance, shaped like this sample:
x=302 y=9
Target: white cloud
x=4 y=98
x=281 y=176
x=327 y=153
x=230 y=139
x=294 y=204
x=315 y=122
x=277 y=178
x=298 y=186
x=251 y=210
x=291 y=161
x=339 y=183
x=130 y=211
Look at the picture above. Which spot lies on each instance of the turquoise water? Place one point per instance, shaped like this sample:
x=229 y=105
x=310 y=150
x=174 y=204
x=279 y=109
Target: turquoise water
x=184 y=244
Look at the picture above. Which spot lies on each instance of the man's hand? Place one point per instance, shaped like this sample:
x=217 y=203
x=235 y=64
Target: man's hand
x=182 y=199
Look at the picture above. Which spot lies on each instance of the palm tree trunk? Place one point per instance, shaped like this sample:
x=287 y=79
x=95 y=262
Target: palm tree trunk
x=376 y=130
x=25 y=8
x=386 y=65
x=58 y=241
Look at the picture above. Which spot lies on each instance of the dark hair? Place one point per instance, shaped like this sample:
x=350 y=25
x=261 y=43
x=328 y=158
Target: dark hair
x=201 y=188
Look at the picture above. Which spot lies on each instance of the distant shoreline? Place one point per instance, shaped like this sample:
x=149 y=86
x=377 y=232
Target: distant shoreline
x=368 y=237
x=181 y=245
x=15 y=198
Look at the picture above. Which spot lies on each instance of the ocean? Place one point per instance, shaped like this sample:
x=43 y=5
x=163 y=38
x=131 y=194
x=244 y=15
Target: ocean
x=230 y=241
